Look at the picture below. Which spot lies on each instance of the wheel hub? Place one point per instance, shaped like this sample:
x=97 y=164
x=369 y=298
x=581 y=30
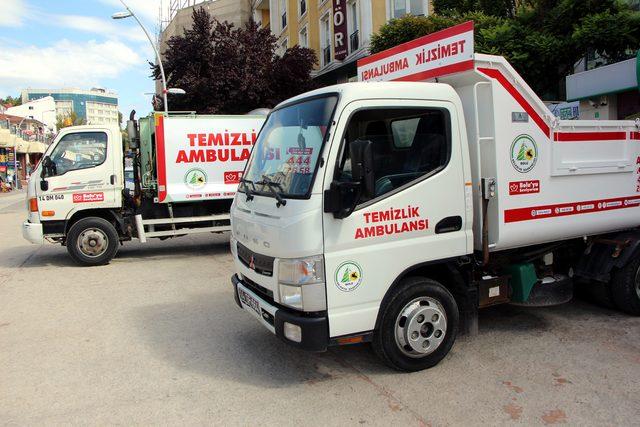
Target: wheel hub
x=92 y=242
x=420 y=327
x=638 y=282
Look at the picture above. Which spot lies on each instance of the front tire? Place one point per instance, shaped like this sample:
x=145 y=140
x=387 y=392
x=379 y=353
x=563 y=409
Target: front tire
x=625 y=287
x=418 y=326
x=92 y=241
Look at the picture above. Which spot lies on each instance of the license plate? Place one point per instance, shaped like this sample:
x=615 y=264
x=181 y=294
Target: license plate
x=249 y=301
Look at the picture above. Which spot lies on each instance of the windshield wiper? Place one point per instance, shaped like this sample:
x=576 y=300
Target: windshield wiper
x=249 y=192
x=270 y=185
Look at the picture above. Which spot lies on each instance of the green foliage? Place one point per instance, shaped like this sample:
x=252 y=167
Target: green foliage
x=501 y=8
x=11 y=101
x=543 y=40
x=69 y=119
x=228 y=70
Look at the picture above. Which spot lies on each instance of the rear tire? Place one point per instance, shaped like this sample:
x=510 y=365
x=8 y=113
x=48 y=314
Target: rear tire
x=418 y=326
x=625 y=287
x=92 y=241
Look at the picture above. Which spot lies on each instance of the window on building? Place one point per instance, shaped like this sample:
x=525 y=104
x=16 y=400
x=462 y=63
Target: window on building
x=283 y=13
x=399 y=8
x=303 y=7
x=79 y=151
x=303 y=39
x=408 y=145
x=352 y=25
x=325 y=39
x=284 y=45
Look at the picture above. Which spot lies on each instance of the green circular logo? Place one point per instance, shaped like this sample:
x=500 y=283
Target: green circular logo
x=195 y=179
x=348 y=276
x=524 y=153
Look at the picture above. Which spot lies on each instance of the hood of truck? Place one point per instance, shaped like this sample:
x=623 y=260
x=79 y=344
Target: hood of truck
x=290 y=231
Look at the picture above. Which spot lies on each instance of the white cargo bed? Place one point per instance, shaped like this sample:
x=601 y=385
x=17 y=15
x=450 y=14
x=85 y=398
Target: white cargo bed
x=581 y=178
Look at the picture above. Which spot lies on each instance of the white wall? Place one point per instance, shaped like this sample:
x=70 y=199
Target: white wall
x=42 y=109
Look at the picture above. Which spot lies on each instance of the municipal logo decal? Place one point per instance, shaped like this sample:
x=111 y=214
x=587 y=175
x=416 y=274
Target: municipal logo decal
x=195 y=179
x=348 y=276
x=524 y=153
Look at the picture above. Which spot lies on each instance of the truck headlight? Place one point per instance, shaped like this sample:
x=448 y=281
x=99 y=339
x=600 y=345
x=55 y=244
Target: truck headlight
x=291 y=296
x=301 y=271
x=295 y=275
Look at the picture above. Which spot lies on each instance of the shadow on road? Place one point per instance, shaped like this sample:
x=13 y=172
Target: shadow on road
x=208 y=334
x=176 y=249
x=57 y=255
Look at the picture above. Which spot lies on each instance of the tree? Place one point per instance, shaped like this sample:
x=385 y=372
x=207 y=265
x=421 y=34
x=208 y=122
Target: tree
x=543 y=40
x=501 y=8
x=69 y=119
x=11 y=101
x=228 y=70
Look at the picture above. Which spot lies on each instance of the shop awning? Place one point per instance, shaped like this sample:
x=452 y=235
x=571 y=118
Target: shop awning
x=613 y=78
x=37 y=147
x=22 y=146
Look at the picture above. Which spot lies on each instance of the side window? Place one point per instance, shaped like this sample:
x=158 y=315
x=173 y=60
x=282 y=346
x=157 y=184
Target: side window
x=79 y=151
x=408 y=144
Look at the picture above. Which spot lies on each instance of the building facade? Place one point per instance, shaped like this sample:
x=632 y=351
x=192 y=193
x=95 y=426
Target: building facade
x=42 y=109
x=339 y=31
x=608 y=92
x=178 y=17
x=96 y=106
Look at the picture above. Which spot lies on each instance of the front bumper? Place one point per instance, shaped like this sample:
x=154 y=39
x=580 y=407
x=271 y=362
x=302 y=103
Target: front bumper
x=315 y=330
x=32 y=232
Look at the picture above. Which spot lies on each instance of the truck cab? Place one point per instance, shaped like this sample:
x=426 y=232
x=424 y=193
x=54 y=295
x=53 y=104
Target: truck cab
x=347 y=188
x=81 y=172
x=391 y=212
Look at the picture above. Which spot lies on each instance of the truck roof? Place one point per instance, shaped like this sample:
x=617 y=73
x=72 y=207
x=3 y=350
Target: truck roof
x=369 y=90
x=92 y=127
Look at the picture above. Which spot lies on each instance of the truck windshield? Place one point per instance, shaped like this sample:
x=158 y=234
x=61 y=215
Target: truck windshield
x=286 y=153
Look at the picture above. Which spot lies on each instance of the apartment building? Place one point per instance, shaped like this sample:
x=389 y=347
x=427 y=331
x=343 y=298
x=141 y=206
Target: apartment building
x=339 y=31
x=96 y=106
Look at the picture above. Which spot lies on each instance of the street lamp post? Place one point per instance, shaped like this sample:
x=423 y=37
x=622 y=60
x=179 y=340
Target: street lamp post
x=15 y=152
x=127 y=14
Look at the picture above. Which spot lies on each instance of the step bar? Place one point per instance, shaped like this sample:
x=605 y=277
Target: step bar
x=143 y=235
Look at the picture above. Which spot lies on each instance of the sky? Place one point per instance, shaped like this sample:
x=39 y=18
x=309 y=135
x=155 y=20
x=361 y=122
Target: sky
x=75 y=43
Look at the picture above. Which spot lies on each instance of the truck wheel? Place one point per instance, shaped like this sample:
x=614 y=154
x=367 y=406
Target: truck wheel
x=418 y=326
x=625 y=287
x=92 y=241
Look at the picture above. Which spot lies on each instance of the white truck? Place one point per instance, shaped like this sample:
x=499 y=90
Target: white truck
x=390 y=212
x=186 y=170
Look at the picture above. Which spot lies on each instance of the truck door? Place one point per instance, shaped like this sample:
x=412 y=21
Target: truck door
x=83 y=170
x=416 y=216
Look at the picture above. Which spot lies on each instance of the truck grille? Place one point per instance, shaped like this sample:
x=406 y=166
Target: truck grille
x=261 y=264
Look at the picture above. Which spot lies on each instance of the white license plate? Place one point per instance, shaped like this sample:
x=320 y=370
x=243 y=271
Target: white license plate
x=250 y=301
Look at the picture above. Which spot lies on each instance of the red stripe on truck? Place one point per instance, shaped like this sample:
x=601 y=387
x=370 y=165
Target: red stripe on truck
x=162 y=167
x=438 y=72
x=589 y=136
x=496 y=74
x=573 y=208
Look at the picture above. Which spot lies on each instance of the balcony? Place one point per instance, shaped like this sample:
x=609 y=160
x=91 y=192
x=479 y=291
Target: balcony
x=354 y=42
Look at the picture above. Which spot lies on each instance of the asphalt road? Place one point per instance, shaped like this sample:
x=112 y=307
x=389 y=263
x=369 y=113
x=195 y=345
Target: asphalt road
x=156 y=338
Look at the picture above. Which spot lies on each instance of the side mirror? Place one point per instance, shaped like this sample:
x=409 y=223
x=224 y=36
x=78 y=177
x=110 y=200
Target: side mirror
x=132 y=131
x=361 y=152
x=342 y=197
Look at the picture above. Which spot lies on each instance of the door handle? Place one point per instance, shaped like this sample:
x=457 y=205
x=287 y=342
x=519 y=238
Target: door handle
x=112 y=179
x=449 y=224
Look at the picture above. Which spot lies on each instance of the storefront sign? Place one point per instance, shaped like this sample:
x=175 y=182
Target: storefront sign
x=340 y=36
x=437 y=54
